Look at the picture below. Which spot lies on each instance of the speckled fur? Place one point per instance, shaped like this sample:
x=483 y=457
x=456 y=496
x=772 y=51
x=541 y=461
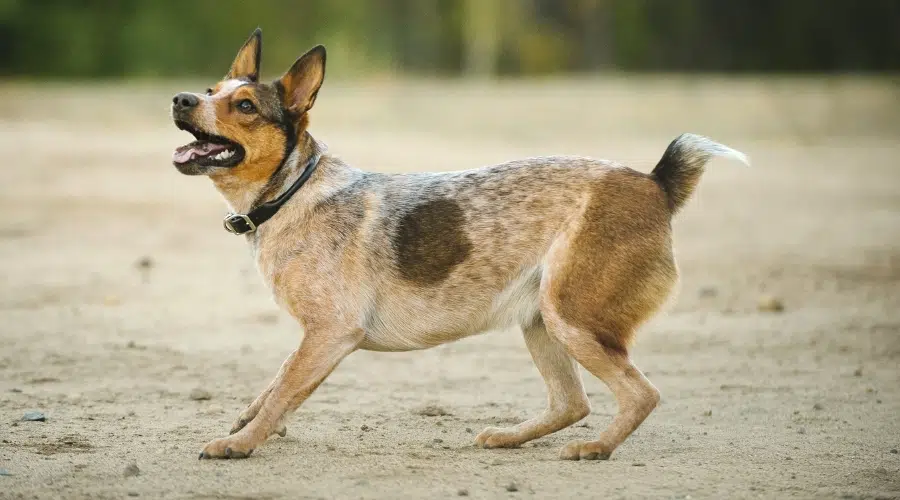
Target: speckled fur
x=576 y=252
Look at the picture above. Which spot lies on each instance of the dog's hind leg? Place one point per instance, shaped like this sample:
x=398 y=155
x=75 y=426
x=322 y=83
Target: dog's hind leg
x=635 y=395
x=610 y=269
x=568 y=402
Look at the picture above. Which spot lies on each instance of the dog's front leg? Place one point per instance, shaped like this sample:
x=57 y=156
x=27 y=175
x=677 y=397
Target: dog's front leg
x=252 y=409
x=303 y=371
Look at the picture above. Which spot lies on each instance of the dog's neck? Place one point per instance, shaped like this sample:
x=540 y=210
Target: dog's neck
x=243 y=195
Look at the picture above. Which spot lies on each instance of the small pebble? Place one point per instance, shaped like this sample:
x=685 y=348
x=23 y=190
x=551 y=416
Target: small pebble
x=801 y=430
x=707 y=413
x=132 y=493
x=132 y=470
x=512 y=486
x=15 y=389
x=199 y=394
x=708 y=291
x=858 y=372
x=4 y=472
x=432 y=411
x=462 y=492
x=144 y=263
x=469 y=430
x=770 y=304
x=894 y=451
x=438 y=440
x=365 y=428
x=638 y=464
x=817 y=406
x=34 y=416
x=131 y=344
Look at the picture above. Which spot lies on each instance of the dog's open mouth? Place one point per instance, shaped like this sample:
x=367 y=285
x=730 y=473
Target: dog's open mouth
x=208 y=150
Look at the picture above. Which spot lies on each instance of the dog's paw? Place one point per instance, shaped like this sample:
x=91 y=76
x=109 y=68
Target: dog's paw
x=226 y=448
x=494 y=437
x=584 y=450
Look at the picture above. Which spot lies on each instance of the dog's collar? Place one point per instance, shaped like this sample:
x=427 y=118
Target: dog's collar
x=247 y=223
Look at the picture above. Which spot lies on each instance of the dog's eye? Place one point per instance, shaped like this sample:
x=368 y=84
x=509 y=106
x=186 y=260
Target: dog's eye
x=209 y=92
x=246 y=106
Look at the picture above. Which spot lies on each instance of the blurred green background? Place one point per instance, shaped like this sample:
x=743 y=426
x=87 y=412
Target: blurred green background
x=185 y=38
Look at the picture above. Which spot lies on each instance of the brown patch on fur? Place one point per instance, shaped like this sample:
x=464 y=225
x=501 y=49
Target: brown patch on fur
x=262 y=138
x=430 y=241
x=619 y=267
x=275 y=184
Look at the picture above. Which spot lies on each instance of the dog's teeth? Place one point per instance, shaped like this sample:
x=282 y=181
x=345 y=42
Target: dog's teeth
x=228 y=153
x=220 y=156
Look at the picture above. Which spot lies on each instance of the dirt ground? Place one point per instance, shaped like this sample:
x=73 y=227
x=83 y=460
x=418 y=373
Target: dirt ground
x=121 y=294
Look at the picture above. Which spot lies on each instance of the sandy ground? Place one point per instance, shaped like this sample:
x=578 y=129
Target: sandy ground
x=804 y=403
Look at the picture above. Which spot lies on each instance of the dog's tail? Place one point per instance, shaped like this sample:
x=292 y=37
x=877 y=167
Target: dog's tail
x=681 y=165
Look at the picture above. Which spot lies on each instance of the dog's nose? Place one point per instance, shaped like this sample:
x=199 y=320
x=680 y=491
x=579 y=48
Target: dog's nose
x=185 y=100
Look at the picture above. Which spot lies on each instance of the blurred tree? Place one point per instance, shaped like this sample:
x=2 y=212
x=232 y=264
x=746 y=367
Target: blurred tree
x=166 y=38
x=482 y=37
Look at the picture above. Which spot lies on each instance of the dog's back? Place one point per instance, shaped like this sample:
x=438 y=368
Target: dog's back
x=468 y=250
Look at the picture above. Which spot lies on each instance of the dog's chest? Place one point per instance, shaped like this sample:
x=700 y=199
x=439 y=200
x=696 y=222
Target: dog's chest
x=305 y=279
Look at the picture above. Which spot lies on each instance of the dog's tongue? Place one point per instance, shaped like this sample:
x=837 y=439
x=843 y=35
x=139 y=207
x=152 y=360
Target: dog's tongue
x=196 y=149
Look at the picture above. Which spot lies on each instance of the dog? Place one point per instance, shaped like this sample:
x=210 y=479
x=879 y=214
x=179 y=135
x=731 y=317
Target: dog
x=574 y=251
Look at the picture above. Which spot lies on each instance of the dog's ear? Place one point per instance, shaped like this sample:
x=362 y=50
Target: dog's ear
x=301 y=83
x=246 y=64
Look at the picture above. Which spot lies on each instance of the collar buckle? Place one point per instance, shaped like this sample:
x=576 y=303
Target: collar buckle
x=238 y=224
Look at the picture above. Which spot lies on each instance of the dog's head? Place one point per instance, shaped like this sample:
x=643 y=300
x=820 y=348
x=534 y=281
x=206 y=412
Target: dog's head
x=243 y=127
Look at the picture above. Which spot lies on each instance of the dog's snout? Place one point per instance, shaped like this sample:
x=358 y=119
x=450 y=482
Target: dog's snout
x=185 y=100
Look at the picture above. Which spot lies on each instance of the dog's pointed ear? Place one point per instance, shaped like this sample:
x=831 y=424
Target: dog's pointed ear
x=301 y=83
x=246 y=64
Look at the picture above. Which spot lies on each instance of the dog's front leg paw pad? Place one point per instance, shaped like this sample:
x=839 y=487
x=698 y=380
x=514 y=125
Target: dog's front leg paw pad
x=223 y=448
x=229 y=453
x=494 y=437
x=581 y=450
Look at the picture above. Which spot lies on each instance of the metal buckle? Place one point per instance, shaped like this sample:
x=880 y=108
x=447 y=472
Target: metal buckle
x=227 y=222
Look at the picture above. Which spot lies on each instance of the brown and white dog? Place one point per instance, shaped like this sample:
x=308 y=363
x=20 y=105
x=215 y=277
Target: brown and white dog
x=574 y=251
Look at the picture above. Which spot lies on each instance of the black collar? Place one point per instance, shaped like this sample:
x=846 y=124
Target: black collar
x=247 y=223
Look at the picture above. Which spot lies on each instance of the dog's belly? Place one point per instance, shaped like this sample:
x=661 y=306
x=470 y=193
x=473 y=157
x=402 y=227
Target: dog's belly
x=405 y=325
